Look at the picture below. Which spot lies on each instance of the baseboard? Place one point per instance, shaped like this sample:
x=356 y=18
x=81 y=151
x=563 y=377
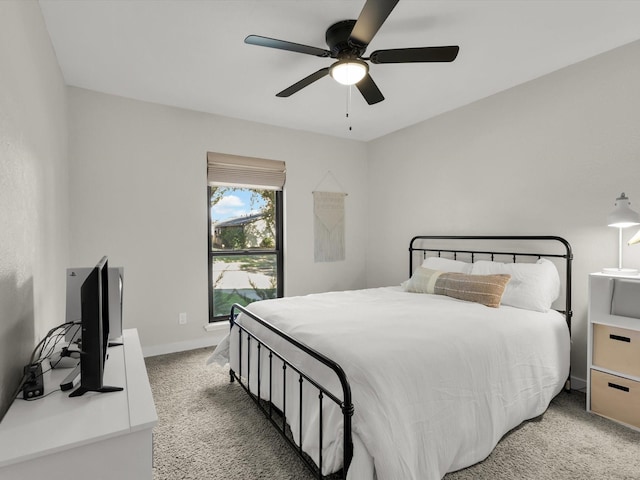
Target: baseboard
x=216 y=330
x=154 y=350
x=578 y=384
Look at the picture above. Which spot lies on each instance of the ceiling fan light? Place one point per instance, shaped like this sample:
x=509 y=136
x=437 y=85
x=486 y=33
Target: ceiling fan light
x=349 y=71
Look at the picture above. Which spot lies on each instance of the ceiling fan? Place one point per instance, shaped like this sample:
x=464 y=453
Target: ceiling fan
x=347 y=41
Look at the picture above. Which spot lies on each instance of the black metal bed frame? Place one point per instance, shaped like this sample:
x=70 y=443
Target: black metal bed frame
x=567 y=256
x=278 y=417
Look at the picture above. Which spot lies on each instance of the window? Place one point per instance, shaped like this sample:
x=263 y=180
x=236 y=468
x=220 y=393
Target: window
x=245 y=233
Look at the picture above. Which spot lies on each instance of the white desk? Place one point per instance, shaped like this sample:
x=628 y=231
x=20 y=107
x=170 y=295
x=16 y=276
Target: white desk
x=106 y=434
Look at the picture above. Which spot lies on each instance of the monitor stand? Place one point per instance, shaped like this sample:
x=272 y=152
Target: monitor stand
x=105 y=389
x=67 y=383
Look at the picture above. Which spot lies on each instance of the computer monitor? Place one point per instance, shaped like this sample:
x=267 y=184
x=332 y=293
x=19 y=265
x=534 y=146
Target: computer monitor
x=94 y=322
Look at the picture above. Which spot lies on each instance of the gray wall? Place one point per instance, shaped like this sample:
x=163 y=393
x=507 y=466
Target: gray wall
x=33 y=189
x=545 y=158
x=138 y=194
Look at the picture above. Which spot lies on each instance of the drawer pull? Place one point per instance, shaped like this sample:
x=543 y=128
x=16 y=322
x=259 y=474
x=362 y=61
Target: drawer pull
x=620 y=338
x=619 y=387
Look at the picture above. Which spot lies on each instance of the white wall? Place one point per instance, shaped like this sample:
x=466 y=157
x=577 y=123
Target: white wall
x=33 y=189
x=548 y=157
x=138 y=194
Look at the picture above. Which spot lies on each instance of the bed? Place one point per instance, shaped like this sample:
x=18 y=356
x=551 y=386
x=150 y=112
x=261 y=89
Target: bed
x=395 y=382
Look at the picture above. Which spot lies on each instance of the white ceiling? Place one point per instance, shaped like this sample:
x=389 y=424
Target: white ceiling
x=191 y=54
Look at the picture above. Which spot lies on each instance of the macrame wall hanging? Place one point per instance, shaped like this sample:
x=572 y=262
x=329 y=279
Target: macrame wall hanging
x=329 y=224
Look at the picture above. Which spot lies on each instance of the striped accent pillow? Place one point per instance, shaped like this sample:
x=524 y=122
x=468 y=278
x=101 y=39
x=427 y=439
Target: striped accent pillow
x=484 y=289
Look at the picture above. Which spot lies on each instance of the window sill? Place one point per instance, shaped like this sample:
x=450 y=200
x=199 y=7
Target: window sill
x=217 y=326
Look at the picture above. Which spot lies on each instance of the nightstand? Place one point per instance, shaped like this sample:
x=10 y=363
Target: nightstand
x=613 y=348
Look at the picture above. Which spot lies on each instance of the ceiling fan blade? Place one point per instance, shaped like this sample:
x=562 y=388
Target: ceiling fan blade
x=284 y=45
x=287 y=92
x=370 y=90
x=422 y=54
x=371 y=18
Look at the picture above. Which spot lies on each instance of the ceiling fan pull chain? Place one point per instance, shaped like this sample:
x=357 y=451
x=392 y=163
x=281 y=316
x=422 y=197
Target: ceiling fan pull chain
x=349 y=105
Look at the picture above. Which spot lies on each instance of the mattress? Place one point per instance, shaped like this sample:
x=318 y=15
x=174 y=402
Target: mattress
x=436 y=382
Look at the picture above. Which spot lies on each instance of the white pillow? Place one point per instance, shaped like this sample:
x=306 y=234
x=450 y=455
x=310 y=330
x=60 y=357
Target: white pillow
x=446 y=265
x=533 y=286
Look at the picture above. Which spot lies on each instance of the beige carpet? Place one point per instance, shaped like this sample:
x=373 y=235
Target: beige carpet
x=209 y=429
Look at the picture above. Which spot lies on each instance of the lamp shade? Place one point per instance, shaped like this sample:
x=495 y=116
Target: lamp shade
x=349 y=71
x=622 y=216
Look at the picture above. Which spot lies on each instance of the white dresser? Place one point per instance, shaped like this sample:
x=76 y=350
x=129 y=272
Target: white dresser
x=98 y=435
x=613 y=348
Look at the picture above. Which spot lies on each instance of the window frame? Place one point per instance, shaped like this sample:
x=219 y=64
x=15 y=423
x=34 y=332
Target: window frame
x=278 y=251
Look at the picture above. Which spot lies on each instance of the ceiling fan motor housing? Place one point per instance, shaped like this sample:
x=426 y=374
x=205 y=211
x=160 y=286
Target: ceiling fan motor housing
x=337 y=38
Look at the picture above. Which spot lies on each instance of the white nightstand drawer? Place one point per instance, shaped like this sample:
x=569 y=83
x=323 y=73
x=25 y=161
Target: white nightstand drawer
x=615 y=397
x=616 y=349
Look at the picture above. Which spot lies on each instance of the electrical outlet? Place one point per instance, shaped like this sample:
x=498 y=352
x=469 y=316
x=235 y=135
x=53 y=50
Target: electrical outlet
x=182 y=319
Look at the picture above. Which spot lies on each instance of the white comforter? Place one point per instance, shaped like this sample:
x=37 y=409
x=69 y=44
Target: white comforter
x=436 y=382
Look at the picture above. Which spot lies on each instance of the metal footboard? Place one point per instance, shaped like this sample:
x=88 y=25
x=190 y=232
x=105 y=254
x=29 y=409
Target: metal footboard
x=246 y=339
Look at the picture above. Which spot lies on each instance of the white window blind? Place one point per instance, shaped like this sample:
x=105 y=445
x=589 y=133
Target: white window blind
x=238 y=171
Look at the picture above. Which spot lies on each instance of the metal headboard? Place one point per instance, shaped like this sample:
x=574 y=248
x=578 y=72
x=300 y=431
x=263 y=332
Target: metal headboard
x=473 y=253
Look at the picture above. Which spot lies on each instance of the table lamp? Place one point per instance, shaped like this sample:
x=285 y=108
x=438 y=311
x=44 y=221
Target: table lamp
x=622 y=217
